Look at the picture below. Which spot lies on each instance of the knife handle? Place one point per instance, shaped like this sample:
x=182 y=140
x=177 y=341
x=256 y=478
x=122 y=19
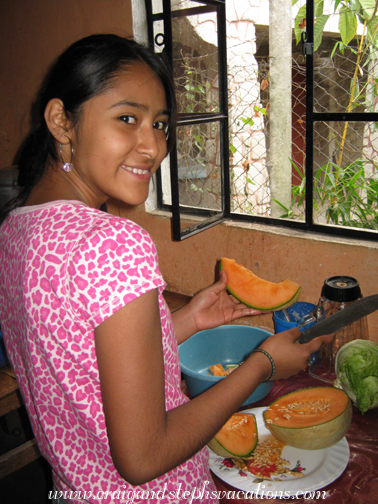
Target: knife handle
x=306 y=337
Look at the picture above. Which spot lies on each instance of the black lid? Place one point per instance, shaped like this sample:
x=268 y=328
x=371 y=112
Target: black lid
x=341 y=288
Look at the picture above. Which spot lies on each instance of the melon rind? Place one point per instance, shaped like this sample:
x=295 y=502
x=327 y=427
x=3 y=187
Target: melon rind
x=221 y=451
x=255 y=306
x=274 y=307
x=316 y=437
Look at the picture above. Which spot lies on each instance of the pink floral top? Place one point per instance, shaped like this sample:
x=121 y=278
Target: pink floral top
x=65 y=268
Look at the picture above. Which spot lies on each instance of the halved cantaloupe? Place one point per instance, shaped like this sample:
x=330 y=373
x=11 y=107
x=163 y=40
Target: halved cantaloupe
x=310 y=419
x=256 y=292
x=237 y=438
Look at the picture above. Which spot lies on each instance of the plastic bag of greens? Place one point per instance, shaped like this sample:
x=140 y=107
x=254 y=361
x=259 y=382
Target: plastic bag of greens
x=356 y=369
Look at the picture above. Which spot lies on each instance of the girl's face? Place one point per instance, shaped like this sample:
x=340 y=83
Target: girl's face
x=120 y=139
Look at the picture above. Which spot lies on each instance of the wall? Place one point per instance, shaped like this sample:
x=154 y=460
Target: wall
x=32 y=34
x=274 y=255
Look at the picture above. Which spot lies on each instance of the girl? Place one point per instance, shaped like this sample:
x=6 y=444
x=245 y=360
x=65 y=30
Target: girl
x=87 y=330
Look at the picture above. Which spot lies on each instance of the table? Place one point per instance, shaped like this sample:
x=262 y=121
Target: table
x=357 y=485
x=359 y=482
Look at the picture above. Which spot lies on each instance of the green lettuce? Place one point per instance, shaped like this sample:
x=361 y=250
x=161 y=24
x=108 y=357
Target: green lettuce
x=356 y=370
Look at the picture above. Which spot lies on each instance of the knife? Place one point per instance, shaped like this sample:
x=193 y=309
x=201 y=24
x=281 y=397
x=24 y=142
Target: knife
x=355 y=311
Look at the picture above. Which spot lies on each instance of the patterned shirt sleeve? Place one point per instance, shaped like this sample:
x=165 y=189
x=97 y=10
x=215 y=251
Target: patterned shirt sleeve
x=113 y=262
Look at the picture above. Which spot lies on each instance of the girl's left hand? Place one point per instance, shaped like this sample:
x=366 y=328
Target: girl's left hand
x=210 y=308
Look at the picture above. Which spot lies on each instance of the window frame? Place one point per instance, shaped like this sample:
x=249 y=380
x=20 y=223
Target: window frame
x=213 y=218
x=311 y=118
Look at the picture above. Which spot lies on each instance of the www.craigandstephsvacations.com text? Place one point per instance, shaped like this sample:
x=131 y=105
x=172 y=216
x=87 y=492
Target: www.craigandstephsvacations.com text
x=187 y=496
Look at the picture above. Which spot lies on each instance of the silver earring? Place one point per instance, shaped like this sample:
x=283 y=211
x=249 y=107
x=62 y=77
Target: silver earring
x=67 y=167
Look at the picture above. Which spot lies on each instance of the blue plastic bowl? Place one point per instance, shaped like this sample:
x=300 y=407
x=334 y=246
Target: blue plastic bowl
x=228 y=344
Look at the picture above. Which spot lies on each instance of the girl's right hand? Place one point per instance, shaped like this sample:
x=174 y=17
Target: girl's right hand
x=289 y=356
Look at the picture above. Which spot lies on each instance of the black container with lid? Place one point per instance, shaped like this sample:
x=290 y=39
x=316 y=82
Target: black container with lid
x=337 y=293
x=341 y=289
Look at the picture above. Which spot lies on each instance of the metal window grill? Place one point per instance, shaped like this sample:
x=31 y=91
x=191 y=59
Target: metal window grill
x=220 y=168
x=199 y=179
x=342 y=134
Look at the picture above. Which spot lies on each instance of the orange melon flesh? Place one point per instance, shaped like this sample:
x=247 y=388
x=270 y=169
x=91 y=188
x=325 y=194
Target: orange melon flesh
x=310 y=419
x=237 y=438
x=257 y=293
x=217 y=370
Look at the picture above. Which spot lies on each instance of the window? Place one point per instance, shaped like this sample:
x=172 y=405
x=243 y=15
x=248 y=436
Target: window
x=289 y=145
x=198 y=173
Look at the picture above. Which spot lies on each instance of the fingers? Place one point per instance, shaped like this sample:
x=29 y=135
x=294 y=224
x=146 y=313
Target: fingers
x=235 y=300
x=252 y=311
x=315 y=344
x=244 y=312
x=223 y=277
x=293 y=333
x=289 y=356
x=242 y=306
x=319 y=342
x=220 y=284
x=247 y=309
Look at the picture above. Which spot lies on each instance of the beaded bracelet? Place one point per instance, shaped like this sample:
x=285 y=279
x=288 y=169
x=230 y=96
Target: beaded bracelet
x=271 y=361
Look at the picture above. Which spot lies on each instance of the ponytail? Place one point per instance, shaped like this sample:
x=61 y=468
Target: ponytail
x=32 y=162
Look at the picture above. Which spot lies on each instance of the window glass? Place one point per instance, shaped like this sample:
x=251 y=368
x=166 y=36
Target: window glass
x=345 y=189
x=195 y=58
x=199 y=165
x=295 y=142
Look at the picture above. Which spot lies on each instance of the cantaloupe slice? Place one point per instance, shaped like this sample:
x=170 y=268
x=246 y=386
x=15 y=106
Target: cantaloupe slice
x=217 y=370
x=256 y=292
x=237 y=438
x=310 y=419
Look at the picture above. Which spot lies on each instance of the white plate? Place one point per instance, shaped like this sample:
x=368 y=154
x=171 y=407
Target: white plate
x=320 y=468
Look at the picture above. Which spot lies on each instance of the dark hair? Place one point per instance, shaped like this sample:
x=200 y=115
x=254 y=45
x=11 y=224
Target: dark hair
x=84 y=70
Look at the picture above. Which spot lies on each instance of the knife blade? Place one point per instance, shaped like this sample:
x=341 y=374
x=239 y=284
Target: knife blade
x=355 y=311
